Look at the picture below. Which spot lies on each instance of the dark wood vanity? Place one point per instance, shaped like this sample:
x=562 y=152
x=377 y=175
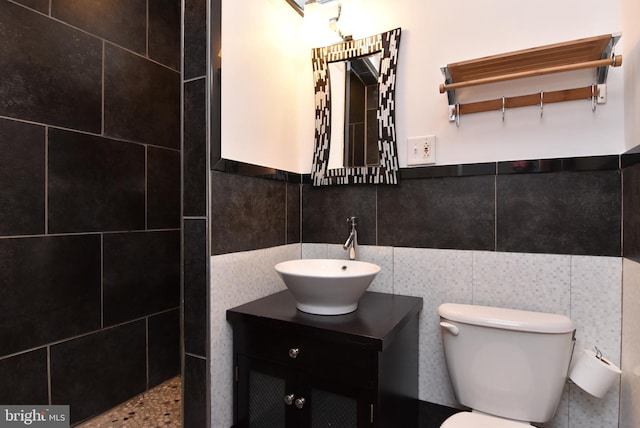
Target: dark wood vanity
x=293 y=369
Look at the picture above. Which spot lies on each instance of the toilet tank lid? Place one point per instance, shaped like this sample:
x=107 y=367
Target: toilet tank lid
x=506 y=319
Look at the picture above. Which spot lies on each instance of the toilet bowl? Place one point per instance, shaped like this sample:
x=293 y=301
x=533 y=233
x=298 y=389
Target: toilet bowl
x=508 y=366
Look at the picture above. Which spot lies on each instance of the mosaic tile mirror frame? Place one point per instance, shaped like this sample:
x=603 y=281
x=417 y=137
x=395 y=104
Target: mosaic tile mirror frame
x=386 y=172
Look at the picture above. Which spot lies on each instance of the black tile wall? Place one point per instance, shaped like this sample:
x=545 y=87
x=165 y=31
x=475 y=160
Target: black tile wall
x=24 y=378
x=164 y=32
x=141 y=271
x=163 y=190
x=195 y=174
x=52 y=73
x=72 y=188
x=195 y=210
x=22 y=171
x=142 y=99
x=294 y=225
x=631 y=211
x=39 y=5
x=123 y=22
x=108 y=368
x=95 y=183
x=250 y=213
x=195 y=39
x=574 y=209
x=438 y=213
x=49 y=289
x=562 y=213
x=325 y=211
x=196 y=286
x=196 y=372
x=164 y=347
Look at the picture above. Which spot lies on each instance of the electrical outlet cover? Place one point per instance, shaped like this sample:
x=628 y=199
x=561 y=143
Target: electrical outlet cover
x=421 y=150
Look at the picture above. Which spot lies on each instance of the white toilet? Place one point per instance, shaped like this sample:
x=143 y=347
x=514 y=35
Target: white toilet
x=508 y=366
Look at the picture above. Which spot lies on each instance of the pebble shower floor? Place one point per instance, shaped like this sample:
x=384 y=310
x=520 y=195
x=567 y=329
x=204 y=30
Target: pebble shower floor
x=158 y=407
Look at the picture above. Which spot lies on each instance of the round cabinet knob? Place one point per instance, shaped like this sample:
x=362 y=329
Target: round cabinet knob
x=288 y=399
x=300 y=403
x=293 y=352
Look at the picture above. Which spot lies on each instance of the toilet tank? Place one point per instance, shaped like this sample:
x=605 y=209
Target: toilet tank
x=507 y=362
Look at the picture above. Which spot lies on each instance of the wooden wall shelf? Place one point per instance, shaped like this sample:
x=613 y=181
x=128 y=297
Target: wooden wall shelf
x=593 y=52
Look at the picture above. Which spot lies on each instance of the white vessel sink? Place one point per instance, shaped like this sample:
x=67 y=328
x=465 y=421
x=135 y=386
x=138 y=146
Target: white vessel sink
x=327 y=286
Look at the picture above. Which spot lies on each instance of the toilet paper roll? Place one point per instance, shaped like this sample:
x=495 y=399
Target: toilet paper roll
x=594 y=375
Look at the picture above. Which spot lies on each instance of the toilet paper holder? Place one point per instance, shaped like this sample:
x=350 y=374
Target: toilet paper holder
x=599 y=355
x=594 y=374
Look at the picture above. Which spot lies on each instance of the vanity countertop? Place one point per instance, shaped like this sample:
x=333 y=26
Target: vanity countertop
x=373 y=325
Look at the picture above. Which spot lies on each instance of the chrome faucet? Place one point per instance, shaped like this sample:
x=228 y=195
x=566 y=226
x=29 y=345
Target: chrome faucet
x=352 y=240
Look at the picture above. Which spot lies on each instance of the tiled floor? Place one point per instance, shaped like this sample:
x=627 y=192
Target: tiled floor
x=158 y=407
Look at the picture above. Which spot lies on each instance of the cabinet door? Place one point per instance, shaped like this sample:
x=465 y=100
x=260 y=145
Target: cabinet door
x=266 y=395
x=270 y=395
x=334 y=404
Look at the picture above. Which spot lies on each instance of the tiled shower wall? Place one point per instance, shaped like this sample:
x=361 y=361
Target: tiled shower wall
x=89 y=201
x=195 y=220
x=548 y=242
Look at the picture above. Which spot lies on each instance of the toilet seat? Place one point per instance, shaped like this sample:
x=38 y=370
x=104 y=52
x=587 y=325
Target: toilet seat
x=481 y=420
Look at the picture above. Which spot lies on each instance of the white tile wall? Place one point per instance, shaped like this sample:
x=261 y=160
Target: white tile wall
x=437 y=276
x=586 y=288
x=596 y=299
x=237 y=278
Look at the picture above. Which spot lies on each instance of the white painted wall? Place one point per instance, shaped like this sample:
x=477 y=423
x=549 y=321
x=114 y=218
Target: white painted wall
x=631 y=12
x=268 y=88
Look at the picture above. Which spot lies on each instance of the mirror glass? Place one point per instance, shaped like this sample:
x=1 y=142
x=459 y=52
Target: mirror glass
x=355 y=111
x=354 y=130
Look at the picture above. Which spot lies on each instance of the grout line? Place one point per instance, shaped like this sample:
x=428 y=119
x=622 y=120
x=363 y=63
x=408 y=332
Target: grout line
x=94 y=36
x=376 y=218
x=195 y=356
x=495 y=213
x=146 y=33
x=46 y=180
x=146 y=187
x=93 y=134
x=193 y=79
x=147 y=350
x=89 y=333
x=110 y=232
x=49 y=373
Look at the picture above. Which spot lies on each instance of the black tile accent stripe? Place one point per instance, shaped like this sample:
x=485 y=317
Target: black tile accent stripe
x=461 y=170
x=590 y=163
x=250 y=170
